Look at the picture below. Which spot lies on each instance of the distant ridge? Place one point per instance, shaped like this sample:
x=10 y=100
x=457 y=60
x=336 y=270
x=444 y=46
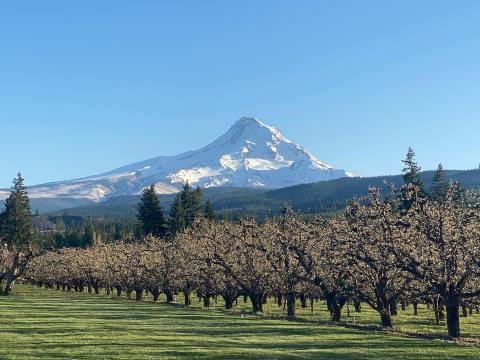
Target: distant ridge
x=323 y=197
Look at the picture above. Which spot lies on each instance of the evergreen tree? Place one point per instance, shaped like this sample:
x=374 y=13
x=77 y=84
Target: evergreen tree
x=150 y=213
x=209 y=212
x=177 y=216
x=191 y=203
x=88 y=234
x=439 y=188
x=459 y=193
x=411 y=171
x=16 y=221
x=186 y=200
x=411 y=175
x=197 y=200
x=185 y=209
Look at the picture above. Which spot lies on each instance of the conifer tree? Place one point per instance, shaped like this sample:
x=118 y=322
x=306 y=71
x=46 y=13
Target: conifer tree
x=411 y=171
x=16 y=221
x=177 y=216
x=186 y=200
x=209 y=212
x=196 y=209
x=439 y=185
x=150 y=213
x=191 y=203
x=411 y=176
x=89 y=234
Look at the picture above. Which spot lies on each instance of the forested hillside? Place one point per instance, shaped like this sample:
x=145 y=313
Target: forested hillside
x=320 y=197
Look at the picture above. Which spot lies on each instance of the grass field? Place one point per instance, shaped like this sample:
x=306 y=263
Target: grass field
x=48 y=324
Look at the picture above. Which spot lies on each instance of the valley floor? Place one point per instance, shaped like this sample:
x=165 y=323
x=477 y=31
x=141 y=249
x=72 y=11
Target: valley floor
x=49 y=324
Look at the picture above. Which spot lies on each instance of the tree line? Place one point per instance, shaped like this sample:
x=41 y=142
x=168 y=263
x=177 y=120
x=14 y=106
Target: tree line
x=412 y=247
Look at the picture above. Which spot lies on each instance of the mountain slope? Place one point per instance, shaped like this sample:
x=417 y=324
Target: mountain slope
x=324 y=196
x=250 y=154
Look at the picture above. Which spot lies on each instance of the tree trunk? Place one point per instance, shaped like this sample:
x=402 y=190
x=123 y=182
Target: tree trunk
x=187 y=295
x=464 y=311
x=256 y=300
x=229 y=300
x=404 y=305
x=206 y=301
x=303 y=300
x=265 y=299
x=393 y=308
x=8 y=286
x=96 y=287
x=169 y=295
x=138 y=294
x=357 y=305
x=291 y=313
x=386 y=318
x=333 y=307
x=279 y=300
x=155 y=294
x=119 y=291
x=441 y=311
x=453 y=318
x=415 y=308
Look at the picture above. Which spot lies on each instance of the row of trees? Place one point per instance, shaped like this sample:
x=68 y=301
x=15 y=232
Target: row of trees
x=374 y=253
x=412 y=246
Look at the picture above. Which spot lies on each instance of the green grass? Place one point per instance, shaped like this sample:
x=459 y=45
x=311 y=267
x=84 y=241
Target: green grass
x=48 y=324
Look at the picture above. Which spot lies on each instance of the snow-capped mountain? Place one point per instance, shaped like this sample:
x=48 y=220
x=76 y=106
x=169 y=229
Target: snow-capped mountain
x=249 y=154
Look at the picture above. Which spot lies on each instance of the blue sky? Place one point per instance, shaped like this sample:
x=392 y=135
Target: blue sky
x=88 y=86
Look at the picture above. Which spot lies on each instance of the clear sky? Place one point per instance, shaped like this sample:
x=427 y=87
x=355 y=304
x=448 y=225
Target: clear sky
x=87 y=86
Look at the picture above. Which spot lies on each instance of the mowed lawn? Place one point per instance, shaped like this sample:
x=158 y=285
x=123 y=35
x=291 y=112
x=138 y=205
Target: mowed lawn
x=49 y=324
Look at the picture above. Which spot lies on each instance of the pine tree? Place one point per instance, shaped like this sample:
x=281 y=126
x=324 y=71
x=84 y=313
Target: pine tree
x=411 y=176
x=209 y=212
x=191 y=203
x=185 y=209
x=411 y=171
x=196 y=204
x=177 y=216
x=439 y=188
x=89 y=235
x=150 y=213
x=16 y=221
x=459 y=194
x=186 y=200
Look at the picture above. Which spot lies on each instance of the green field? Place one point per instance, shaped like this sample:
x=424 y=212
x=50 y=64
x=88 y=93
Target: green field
x=48 y=324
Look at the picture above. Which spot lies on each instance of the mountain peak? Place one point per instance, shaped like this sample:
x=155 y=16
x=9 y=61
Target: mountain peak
x=247 y=121
x=250 y=154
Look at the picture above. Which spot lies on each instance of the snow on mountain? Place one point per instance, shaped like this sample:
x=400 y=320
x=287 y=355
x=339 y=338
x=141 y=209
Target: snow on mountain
x=249 y=154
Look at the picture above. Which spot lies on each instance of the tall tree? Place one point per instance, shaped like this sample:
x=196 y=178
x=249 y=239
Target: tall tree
x=150 y=214
x=177 y=216
x=439 y=188
x=209 y=211
x=16 y=221
x=16 y=232
x=411 y=176
x=191 y=203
